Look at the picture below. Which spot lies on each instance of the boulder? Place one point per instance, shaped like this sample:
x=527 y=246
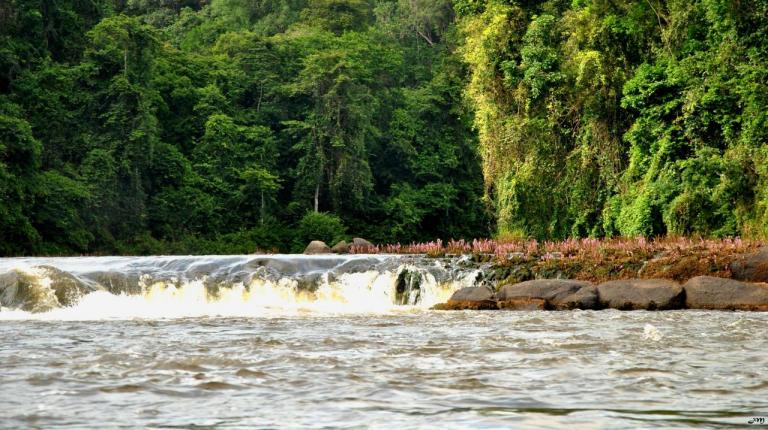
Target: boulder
x=556 y=293
x=708 y=292
x=523 y=304
x=360 y=243
x=317 y=247
x=633 y=294
x=752 y=267
x=475 y=298
x=340 y=248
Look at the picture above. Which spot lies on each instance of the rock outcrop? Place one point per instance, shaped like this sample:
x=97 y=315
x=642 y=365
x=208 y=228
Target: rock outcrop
x=638 y=294
x=523 y=304
x=751 y=267
x=340 y=248
x=556 y=294
x=707 y=292
x=317 y=247
x=475 y=298
x=701 y=292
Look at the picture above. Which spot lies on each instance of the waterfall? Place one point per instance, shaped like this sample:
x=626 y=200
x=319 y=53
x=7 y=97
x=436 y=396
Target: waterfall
x=252 y=285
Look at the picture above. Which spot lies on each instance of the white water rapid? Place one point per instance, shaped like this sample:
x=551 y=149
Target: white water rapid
x=94 y=288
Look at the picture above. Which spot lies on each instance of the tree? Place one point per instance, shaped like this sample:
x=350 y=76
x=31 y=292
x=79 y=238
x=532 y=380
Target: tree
x=19 y=161
x=339 y=84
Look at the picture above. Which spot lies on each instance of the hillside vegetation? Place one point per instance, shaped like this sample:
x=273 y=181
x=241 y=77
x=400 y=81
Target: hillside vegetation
x=617 y=117
x=229 y=126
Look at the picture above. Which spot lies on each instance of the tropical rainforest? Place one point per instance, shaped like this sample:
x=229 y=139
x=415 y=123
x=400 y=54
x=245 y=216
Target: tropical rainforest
x=233 y=126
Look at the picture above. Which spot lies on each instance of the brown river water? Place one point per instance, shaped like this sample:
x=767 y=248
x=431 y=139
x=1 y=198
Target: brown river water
x=350 y=342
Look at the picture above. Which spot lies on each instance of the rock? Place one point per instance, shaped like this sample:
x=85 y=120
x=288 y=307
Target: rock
x=708 y=292
x=361 y=244
x=340 y=248
x=408 y=287
x=317 y=247
x=752 y=267
x=474 y=298
x=556 y=293
x=650 y=294
x=118 y=282
x=523 y=304
x=474 y=294
x=516 y=273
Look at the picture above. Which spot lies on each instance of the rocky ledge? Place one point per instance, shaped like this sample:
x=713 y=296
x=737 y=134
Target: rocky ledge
x=701 y=292
x=743 y=285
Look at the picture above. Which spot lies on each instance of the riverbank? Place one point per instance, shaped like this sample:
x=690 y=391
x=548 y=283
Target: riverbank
x=598 y=261
x=594 y=260
x=717 y=275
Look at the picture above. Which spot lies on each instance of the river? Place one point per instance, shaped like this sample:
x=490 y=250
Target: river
x=349 y=342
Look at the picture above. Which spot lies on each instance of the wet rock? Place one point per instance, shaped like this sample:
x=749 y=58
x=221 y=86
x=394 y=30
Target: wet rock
x=309 y=282
x=361 y=244
x=683 y=267
x=459 y=306
x=752 y=267
x=408 y=287
x=340 y=248
x=317 y=247
x=362 y=264
x=556 y=293
x=474 y=298
x=117 y=282
x=523 y=304
x=634 y=294
x=708 y=292
x=473 y=294
x=513 y=274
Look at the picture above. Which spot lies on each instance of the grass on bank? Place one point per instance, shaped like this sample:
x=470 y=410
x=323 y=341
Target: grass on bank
x=596 y=260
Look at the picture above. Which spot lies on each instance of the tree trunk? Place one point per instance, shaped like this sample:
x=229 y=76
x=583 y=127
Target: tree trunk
x=261 y=215
x=261 y=94
x=317 y=196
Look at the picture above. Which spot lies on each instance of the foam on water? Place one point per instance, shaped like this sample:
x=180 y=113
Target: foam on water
x=178 y=295
x=650 y=332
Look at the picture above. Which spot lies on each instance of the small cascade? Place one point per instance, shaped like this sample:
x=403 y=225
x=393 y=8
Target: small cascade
x=408 y=286
x=131 y=287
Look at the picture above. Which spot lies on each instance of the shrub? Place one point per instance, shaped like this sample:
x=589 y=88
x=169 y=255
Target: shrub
x=318 y=226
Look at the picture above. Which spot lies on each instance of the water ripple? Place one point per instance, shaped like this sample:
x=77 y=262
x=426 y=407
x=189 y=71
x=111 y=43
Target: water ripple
x=491 y=370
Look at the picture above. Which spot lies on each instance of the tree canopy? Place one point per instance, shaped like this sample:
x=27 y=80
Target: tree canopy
x=232 y=126
x=604 y=118
x=226 y=126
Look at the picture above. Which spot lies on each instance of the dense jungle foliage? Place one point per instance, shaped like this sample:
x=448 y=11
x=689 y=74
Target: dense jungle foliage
x=227 y=126
x=619 y=117
x=174 y=126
